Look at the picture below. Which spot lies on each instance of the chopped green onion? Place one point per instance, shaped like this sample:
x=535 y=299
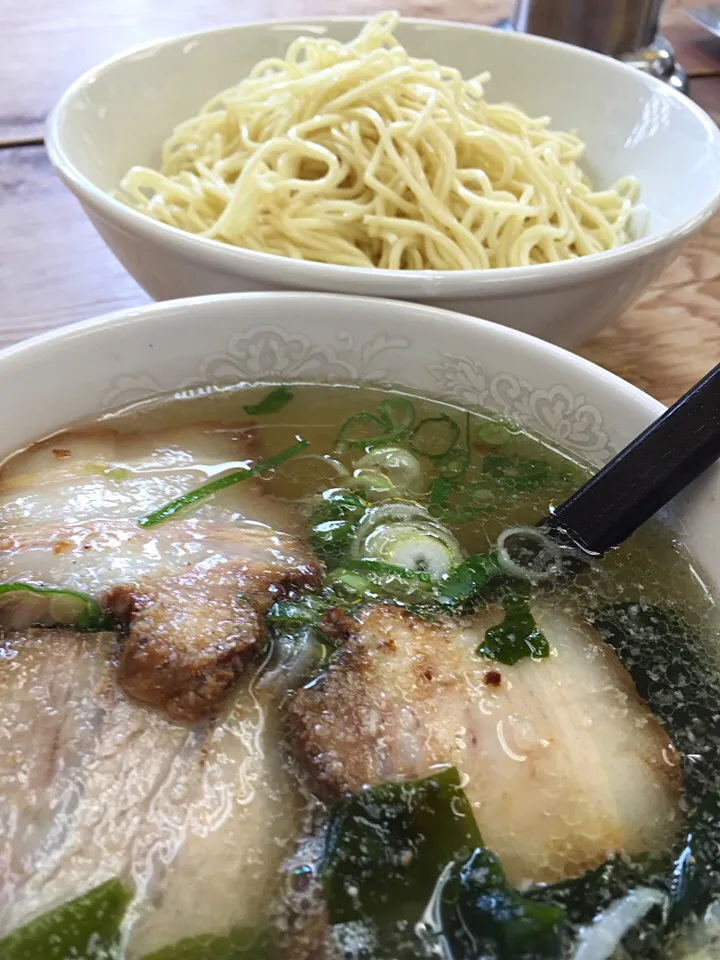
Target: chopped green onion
x=297 y=652
x=380 y=568
x=454 y=464
x=331 y=536
x=435 y=437
x=375 y=485
x=311 y=609
x=517 y=474
x=393 y=511
x=340 y=503
x=371 y=579
x=350 y=583
x=393 y=581
x=529 y=553
x=399 y=412
x=361 y=431
x=420 y=545
x=208 y=489
x=23 y=605
x=336 y=521
x=274 y=401
x=494 y=433
x=85 y=928
x=366 y=430
x=398 y=466
x=440 y=490
x=440 y=506
x=480 y=493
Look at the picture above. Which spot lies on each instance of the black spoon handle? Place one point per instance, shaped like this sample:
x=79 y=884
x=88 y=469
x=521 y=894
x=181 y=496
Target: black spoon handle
x=646 y=475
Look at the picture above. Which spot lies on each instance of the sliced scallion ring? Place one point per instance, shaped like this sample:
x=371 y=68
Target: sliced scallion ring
x=528 y=554
x=390 y=580
x=350 y=584
x=393 y=511
x=496 y=433
x=401 y=468
x=400 y=413
x=421 y=546
x=375 y=485
x=435 y=437
x=360 y=431
x=24 y=605
x=454 y=464
x=366 y=430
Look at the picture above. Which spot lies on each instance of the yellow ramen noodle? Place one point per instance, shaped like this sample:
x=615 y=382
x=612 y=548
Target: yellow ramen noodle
x=359 y=155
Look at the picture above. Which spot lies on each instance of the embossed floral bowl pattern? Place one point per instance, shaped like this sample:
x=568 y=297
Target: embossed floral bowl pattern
x=87 y=369
x=632 y=124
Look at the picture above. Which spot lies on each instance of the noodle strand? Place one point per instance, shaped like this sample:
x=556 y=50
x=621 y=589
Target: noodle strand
x=360 y=155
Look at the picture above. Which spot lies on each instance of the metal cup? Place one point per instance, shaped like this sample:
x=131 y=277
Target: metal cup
x=626 y=29
x=614 y=27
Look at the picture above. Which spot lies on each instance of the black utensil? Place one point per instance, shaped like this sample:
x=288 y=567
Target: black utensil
x=647 y=474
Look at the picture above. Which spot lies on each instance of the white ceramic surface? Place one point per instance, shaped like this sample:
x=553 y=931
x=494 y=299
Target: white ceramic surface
x=118 y=115
x=89 y=368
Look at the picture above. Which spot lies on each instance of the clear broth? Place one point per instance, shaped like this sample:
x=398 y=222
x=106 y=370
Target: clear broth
x=651 y=568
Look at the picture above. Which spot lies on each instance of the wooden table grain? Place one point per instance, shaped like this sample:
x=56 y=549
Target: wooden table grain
x=54 y=269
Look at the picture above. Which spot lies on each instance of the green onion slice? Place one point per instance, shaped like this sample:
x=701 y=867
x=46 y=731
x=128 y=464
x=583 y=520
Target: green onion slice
x=420 y=546
x=371 y=566
x=24 y=605
x=350 y=584
x=310 y=610
x=360 y=431
x=435 y=437
x=271 y=403
x=400 y=468
x=392 y=511
x=454 y=464
x=208 y=489
x=494 y=433
x=365 y=430
x=399 y=412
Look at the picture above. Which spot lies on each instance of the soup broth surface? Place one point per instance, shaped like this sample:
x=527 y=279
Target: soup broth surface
x=318 y=714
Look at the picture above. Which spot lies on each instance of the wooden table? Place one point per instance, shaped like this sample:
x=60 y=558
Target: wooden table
x=54 y=269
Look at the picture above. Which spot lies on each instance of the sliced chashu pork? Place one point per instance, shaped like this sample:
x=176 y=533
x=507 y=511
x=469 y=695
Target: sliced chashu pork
x=564 y=764
x=93 y=786
x=192 y=588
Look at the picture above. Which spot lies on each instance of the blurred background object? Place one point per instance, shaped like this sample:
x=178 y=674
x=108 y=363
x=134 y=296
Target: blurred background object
x=627 y=29
x=707 y=17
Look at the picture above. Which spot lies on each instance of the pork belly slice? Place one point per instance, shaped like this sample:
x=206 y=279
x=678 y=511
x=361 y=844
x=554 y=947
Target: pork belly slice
x=242 y=818
x=93 y=786
x=50 y=685
x=192 y=589
x=565 y=765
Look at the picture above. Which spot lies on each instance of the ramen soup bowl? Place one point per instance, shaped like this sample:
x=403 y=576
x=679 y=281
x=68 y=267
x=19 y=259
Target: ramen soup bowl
x=119 y=114
x=233 y=689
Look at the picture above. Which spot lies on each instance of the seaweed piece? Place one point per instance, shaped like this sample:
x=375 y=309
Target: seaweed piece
x=86 y=928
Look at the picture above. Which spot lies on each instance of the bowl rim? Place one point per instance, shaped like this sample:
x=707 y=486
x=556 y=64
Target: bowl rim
x=315 y=275
x=424 y=314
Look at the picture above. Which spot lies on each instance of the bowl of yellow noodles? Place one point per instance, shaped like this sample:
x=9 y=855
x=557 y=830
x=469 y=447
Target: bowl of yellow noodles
x=509 y=177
